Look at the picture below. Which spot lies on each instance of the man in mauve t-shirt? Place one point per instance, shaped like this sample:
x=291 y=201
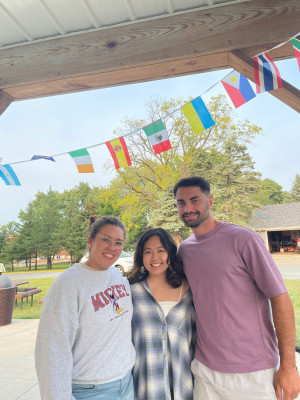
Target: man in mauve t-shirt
x=239 y=355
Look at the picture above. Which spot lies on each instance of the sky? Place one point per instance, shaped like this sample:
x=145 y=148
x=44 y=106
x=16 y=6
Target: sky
x=63 y=123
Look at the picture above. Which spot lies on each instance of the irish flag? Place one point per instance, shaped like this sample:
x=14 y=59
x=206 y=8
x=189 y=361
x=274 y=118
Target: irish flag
x=119 y=152
x=82 y=160
x=296 y=45
x=158 y=136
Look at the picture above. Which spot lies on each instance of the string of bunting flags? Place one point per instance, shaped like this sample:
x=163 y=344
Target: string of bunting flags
x=237 y=86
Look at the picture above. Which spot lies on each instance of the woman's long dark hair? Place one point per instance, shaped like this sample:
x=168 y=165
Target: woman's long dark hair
x=175 y=274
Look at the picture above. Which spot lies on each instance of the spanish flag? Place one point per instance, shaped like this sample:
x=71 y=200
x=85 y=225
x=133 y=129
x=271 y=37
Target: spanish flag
x=119 y=152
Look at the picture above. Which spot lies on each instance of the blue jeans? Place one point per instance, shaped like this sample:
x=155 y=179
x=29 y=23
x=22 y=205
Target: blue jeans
x=121 y=389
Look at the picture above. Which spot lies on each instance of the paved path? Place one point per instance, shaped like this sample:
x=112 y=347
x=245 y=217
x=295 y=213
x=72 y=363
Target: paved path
x=17 y=372
x=289 y=271
x=33 y=274
x=286 y=259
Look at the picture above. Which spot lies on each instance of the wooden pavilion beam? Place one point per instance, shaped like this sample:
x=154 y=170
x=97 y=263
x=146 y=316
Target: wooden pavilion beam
x=5 y=100
x=197 y=41
x=288 y=94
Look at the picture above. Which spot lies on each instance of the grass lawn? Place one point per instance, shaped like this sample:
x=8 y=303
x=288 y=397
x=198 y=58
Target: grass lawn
x=33 y=312
x=44 y=284
x=293 y=286
x=40 y=267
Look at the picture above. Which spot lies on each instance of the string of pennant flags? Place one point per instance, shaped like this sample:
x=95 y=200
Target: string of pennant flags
x=237 y=86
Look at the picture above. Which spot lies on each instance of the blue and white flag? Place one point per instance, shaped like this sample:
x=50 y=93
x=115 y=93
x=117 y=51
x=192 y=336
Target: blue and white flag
x=8 y=175
x=37 y=157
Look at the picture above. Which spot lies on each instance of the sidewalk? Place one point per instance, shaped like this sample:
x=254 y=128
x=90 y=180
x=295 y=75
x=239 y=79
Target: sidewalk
x=17 y=372
x=286 y=258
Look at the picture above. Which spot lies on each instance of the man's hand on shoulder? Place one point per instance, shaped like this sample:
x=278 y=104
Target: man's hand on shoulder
x=287 y=382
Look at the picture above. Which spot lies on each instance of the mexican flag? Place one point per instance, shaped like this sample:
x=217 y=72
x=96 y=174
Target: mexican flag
x=158 y=136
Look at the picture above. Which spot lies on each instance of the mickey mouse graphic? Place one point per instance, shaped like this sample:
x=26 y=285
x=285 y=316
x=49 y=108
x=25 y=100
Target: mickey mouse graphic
x=115 y=305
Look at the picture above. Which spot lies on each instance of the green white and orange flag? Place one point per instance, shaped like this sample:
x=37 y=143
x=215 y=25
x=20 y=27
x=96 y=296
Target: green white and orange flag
x=82 y=160
x=119 y=152
x=296 y=45
x=158 y=136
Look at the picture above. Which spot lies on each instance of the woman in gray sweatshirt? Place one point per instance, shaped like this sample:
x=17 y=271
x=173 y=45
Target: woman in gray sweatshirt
x=83 y=348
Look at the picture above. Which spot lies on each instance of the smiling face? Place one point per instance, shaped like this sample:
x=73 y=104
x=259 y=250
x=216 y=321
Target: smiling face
x=155 y=257
x=193 y=206
x=106 y=248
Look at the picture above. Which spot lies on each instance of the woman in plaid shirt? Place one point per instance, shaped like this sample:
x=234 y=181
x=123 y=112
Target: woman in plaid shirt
x=163 y=320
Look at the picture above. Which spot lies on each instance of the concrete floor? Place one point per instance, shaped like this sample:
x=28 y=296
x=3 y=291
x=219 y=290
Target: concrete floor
x=17 y=372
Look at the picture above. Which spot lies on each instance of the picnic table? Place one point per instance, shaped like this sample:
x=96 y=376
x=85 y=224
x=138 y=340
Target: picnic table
x=18 y=283
x=24 y=292
x=21 y=295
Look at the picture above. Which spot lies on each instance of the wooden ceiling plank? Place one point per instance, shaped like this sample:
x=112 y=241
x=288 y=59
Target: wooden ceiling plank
x=221 y=29
x=5 y=100
x=288 y=94
x=280 y=53
x=124 y=76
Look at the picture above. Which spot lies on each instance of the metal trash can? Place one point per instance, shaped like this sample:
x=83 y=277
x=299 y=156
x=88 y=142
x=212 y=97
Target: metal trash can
x=7 y=301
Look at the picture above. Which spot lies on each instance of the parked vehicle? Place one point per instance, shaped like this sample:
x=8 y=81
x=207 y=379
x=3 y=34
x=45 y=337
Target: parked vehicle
x=124 y=263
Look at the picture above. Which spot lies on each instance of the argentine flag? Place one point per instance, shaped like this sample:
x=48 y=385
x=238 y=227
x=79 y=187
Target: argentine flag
x=8 y=175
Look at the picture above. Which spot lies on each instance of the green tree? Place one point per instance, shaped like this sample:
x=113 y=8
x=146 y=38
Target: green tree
x=48 y=217
x=166 y=216
x=270 y=192
x=3 y=235
x=28 y=239
x=9 y=233
x=73 y=229
x=295 y=190
x=143 y=183
x=230 y=171
x=114 y=200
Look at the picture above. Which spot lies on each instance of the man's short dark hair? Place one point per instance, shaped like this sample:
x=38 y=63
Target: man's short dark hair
x=202 y=183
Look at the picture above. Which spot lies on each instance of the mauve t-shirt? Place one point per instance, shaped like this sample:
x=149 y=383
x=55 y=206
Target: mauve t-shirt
x=232 y=275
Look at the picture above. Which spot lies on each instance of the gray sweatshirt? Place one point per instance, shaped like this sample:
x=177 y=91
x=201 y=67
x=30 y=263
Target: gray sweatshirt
x=84 y=334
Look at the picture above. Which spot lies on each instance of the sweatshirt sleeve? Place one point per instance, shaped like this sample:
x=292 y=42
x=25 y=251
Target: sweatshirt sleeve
x=53 y=352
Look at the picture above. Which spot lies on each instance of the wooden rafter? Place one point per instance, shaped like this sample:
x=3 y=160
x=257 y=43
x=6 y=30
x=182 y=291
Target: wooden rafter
x=181 y=44
x=5 y=101
x=288 y=94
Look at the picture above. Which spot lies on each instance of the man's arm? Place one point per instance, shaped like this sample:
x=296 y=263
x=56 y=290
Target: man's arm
x=287 y=379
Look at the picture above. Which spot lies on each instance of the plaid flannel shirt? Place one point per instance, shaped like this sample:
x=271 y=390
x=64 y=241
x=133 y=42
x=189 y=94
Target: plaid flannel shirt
x=164 y=346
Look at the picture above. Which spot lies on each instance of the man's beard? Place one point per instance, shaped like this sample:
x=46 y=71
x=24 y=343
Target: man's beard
x=199 y=220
